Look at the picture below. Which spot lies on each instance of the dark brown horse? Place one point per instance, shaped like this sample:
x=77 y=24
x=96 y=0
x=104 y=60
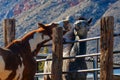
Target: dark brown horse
x=79 y=31
x=17 y=59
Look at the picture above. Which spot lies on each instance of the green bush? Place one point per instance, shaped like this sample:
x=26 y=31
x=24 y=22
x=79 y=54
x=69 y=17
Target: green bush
x=41 y=64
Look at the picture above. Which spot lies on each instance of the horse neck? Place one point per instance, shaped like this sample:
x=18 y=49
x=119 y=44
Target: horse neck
x=36 y=41
x=17 y=47
x=30 y=43
x=69 y=36
x=78 y=48
x=82 y=48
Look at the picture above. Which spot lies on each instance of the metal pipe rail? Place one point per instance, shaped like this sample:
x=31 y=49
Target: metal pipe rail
x=88 y=60
x=82 y=40
x=77 y=71
x=78 y=56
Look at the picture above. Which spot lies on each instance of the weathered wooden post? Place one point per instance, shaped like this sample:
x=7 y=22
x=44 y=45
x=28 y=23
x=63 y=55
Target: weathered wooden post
x=57 y=48
x=106 y=45
x=8 y=30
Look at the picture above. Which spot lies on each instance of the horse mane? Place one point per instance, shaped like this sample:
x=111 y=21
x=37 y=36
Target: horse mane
x=25 y=37
x=31 y=33
x=13 y=42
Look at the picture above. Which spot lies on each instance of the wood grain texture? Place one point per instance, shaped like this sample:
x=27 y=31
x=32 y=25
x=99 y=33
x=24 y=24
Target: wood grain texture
x=57 y=48
x=8 y=30
x=106 y=45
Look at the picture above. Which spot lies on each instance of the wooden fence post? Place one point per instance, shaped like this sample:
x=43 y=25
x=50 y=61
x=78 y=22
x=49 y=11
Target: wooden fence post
x=8 y=30
x=57 y=48
x=106 y=45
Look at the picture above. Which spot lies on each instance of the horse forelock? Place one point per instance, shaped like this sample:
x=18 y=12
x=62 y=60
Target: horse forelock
x=80 y=22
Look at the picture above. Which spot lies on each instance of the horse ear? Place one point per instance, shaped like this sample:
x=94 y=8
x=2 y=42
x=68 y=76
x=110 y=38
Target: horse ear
x=89 y=20
x=40 y=25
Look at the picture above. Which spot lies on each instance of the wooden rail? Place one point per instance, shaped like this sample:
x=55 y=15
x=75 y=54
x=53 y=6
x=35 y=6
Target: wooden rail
x=8 y=31
x=106 y=45
x=57 y=50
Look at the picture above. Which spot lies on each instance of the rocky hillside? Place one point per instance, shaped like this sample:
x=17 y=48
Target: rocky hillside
x=29 y=12
x=113 y=10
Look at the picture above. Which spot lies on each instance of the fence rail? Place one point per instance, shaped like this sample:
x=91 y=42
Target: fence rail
x=106 y=31
x=78 y=71
x=106 y=52
x=82 y=40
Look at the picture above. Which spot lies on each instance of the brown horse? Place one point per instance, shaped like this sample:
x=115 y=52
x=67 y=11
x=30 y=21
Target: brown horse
x=17 y=59
x=79 y=31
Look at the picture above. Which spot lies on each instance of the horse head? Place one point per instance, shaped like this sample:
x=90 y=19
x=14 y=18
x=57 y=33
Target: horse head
x=81 y=27
x=65 y=24
x=47 y=29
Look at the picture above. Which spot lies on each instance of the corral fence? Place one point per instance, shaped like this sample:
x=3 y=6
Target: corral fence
x=106 y=39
